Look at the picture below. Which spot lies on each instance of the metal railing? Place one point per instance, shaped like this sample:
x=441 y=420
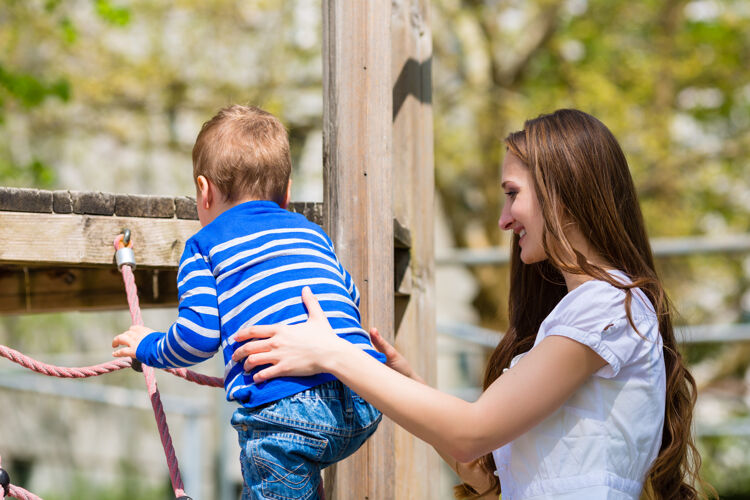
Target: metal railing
x=698 y=334
x=189 y=408
x=662 y=247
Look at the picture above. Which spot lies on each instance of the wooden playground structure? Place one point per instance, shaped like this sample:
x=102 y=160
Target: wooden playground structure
x=378 y=202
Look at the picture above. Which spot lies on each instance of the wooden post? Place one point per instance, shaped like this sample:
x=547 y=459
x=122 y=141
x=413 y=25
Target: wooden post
x=417 y=464
x=358 y=197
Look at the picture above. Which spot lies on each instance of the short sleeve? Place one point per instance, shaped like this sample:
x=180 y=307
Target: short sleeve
x=594 y=315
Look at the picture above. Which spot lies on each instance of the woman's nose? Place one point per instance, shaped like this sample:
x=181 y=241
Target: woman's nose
x=506 y=221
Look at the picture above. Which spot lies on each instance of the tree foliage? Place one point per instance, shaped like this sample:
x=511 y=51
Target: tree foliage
x=109 y=95
x=669 y=78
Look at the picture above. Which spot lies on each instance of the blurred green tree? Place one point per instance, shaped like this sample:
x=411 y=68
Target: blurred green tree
x=29 y=75
x=86 y=83
x=669 y=78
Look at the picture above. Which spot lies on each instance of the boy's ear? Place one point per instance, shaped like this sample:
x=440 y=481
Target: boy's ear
x=288 y=196
x=206 y=191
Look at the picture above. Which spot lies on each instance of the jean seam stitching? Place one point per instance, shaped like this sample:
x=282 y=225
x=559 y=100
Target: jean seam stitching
x=260 y=462
x=339 y=431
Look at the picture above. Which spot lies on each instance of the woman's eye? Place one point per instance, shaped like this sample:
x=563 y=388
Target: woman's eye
x=511 y=194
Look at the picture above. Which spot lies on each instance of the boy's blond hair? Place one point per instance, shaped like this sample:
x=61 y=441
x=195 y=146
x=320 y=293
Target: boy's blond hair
x=244 y=151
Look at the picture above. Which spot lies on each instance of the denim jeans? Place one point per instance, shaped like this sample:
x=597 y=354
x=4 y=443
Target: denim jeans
x=285 y=444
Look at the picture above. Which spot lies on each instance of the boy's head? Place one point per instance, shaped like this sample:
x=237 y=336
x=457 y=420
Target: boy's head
x=244 y=152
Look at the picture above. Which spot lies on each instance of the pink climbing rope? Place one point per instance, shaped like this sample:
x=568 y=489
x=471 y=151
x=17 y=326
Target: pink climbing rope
x=197 y=378
x=18 y=492
x=153 y=391
x=100 y=369
x=131 y=291
x=62 y=371
x=109 y=367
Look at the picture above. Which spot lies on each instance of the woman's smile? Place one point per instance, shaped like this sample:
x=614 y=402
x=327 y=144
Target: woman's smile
x=521 y=212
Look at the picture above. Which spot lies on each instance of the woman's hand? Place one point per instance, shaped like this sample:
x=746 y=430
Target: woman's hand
x=394 y=359
x=292 y=350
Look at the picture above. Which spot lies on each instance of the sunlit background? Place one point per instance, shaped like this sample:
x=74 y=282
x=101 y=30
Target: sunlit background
x=100 y=95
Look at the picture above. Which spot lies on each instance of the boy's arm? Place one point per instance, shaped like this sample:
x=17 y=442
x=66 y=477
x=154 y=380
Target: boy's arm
x=195 y=336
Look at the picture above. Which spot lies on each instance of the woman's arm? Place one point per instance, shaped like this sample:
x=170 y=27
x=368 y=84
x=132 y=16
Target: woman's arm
x=539 y=384
x=470 y=473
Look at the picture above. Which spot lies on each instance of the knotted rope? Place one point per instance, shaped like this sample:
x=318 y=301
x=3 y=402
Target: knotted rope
x=100 y=369
x=126 y=265
x=126 y=268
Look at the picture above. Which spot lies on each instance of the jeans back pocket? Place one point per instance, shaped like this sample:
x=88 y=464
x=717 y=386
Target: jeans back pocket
x=285 y=464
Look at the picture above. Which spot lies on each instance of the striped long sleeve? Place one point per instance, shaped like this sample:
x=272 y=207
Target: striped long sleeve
x=196 y=335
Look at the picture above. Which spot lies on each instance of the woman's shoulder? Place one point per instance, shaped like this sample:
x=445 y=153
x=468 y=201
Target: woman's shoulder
x=596 y=314
x=595 y=304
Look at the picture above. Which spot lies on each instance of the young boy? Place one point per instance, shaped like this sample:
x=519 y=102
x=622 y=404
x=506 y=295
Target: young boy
x=247 y=266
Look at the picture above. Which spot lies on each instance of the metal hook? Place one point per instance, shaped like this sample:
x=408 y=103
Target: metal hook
x=126 y=237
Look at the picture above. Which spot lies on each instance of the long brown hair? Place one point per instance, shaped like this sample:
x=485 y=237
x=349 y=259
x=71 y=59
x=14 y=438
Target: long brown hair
x=579 y=171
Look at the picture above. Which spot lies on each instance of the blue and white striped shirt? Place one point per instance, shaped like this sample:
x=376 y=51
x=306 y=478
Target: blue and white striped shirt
x=248 y=267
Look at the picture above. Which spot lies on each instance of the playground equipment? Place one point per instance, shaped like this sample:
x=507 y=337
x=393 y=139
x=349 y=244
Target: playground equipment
x=377 y=208
x=126 y=263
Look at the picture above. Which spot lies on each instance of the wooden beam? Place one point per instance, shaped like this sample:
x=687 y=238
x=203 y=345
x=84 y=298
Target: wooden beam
x=81 y=240
x=25 y=290
x=87 y=240
x=413 y=193
x=56 y=255
x=358 y=198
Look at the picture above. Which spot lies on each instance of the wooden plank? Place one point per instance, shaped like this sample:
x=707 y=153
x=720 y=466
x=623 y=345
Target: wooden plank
x=87 y=240
x=26 y=290
x=358 y=209
x=416 y=462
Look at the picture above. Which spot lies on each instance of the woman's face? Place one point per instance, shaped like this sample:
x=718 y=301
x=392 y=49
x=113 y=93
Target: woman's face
x=521 y=212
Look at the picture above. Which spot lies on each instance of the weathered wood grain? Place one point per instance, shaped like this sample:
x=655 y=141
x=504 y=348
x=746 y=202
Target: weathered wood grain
x=417 y=464
x=87 y=240
x=358 y=197
x=81 y=240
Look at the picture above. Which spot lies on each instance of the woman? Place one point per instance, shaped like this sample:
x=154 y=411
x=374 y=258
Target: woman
x=586 y=396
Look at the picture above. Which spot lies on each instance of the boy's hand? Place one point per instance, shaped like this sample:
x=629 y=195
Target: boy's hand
x=130 y=340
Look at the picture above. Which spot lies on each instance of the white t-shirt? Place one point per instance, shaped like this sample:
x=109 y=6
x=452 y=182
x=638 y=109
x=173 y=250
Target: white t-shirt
x=601 y=443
